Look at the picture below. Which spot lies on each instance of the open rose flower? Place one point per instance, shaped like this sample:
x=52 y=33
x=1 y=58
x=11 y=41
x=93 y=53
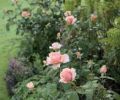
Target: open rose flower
x=25 y=13
x=55 y=46
x=67 y=75
x=103 y=69
x=93 y=17
x=30 y=85
x=56 y=58
x=70 y=20
x=67 y=13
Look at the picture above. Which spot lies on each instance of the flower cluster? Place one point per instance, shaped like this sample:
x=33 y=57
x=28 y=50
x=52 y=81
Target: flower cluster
x=56 y=58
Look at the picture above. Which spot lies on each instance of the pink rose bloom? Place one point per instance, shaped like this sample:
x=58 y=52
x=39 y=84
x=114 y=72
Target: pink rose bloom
x=56 y=46
x=67 y=75
x=70 y=20
x=103 y=69
x=56 y=58
x=25 y=14
x=30 y=85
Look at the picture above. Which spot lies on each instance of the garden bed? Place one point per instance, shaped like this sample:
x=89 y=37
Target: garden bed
x=69 y=50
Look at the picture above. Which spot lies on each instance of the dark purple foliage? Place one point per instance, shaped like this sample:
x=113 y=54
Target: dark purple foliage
x=16 y=72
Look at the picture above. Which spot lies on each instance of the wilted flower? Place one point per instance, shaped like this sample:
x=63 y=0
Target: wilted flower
x=67 y=13
x=44 y=62
x=58 y=35
x=103 y=69
x=67 y=75
x=26 y=13
x=70 y=19
x=30 y=85
x=56 y=58
x=93 y=17
x=55 y=46
x=14 y=1
x=78 y=54
x=90 y=63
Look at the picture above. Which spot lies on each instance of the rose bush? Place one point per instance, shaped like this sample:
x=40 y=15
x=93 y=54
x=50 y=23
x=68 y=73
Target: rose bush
x=64 y=82
x=39 y=23
x=72 y=69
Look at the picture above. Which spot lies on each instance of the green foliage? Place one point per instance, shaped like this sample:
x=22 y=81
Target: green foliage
x=112 y=49
x=113 y=38
x=49 y=90
x=113 y=46
x=40 y=28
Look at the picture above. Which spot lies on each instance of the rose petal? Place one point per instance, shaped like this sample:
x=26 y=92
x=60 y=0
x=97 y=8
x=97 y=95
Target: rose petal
x=65 y=58
x=55 y=66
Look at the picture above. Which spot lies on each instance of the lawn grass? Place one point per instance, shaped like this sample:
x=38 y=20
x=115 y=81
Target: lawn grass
x=8 y=49
x=9 y=45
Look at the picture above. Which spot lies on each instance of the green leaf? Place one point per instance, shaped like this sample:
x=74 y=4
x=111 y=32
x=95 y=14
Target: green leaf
x=80 y=90
x=41 y=99
x=52 y=90
x=107 y=77
x=89 y=94
x=89 y=88
x=43 y=80
x=66 y=86
x=72 y=95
